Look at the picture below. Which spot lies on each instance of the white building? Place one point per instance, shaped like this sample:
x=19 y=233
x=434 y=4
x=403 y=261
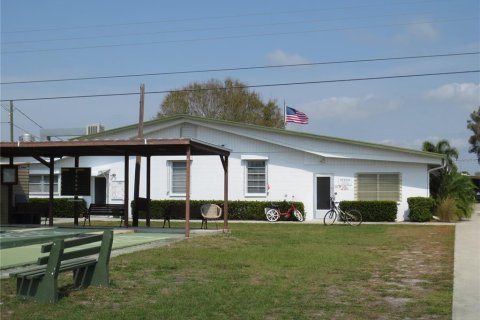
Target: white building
x=265 y=164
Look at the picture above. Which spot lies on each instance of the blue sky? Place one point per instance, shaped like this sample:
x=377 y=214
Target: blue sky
x=66 y=39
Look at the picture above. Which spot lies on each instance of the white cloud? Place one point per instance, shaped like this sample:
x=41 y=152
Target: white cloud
x=417 y=31
x=464 y=95
x=424 y=30
x=350 y=108
x=280 y=57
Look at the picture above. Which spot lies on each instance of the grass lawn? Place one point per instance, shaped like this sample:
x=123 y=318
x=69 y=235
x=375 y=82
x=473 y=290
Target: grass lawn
x=270 y=271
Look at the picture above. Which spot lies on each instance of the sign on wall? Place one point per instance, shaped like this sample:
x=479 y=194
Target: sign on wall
x=117 y=190
x=9 y=174
x=76 y=181
x=343 y=184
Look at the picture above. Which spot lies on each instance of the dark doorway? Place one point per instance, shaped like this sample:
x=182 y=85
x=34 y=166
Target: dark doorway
x=100 y=190
x=323 y=193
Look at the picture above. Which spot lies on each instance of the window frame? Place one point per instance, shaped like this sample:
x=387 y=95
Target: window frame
x=246 y=175
x=172 y=170
x=44 y=183
x=378 y=191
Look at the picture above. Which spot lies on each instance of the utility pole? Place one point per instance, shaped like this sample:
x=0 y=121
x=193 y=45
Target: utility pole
x=11 y=121
x=138 y=159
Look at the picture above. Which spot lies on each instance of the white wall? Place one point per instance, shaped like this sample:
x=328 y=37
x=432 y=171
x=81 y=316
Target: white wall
x=290 y=171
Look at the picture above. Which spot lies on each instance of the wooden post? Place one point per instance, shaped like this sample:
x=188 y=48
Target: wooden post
x=138 y=159
x=10 y=197
x=187 y=198
x=125 y=194
x=11 y=121
x=75 y=198
x=50 y=191
x=225 y=193
x=148 y=190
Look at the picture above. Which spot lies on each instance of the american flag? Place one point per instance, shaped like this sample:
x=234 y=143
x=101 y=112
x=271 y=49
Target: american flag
x=295 y=116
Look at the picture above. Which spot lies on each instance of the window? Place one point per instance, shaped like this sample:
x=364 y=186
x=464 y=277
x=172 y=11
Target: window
x=178 y=177
x=378 y=186
x=38 y=184
x=256 y=177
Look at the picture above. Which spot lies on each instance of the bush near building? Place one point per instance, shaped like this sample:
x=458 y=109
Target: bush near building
x=421 y=209
x=375 y=211
x=63 y=207
x=237 y=209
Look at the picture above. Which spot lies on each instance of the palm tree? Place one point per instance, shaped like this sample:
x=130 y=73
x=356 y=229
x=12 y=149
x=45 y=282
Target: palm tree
x=448 y=183
x=443 y=147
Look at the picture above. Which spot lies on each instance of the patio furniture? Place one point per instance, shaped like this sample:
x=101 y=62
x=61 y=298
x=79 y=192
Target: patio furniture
x=210 y=212
x=39 y=283
x=116 y=210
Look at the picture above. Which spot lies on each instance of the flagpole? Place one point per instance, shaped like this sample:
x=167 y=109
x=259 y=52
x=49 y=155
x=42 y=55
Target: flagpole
x=284 y=114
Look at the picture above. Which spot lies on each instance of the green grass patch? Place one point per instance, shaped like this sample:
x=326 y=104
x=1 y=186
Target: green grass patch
x=270 y=271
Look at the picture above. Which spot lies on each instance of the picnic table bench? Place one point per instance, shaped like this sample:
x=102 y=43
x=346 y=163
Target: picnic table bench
x=39 y=282
x=116 y=210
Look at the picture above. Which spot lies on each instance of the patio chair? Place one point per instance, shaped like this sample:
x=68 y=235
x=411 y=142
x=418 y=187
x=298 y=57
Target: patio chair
x=210 y=212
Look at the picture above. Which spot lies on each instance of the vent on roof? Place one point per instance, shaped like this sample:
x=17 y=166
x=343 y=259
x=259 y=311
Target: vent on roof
x=26 y=137
x=95 y=128
x=188 y=131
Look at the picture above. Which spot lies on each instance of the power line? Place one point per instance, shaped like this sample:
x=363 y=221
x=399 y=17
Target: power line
x=250 y=86
x=22 y=129
x=204 y=29
x=243 y=68
x=26 y=116
x=209 y=18
x=232 y=37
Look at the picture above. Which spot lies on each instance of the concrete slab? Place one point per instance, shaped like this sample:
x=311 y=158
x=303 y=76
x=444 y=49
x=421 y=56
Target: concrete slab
x=466 y=287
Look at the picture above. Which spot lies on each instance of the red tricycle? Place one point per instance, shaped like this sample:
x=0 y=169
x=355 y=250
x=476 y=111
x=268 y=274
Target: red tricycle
x=273 y=213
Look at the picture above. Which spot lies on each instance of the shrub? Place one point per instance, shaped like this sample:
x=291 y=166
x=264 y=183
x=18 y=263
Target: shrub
x=373 y=210
x=421 y=209
x=237 y=209
x=63 y=207
x=460 y=188
x=447 y=210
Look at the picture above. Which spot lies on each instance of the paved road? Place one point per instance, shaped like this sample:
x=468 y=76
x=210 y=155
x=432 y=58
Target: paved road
x=466 y=283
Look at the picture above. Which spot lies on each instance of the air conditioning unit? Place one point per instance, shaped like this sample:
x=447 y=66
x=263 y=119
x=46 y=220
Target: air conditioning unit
x=95 y=128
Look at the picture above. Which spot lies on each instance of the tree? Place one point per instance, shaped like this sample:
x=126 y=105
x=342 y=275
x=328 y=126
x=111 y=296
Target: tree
x=474 y=140
x=448 y=183
x=443 y=147
x=459 y=187
x=436 y=177
x=227 y=100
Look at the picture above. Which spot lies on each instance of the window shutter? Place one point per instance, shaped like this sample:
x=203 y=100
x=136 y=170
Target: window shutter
x=179 y=177
x=378 y=186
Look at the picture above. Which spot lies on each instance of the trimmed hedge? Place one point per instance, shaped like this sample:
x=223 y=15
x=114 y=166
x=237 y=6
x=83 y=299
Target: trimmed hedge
x=237 y=210
x=63 y=207
x=421 y=209
x=377 y=211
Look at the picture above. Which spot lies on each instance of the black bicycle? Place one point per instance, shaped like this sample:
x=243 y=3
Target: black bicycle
x=352 y=217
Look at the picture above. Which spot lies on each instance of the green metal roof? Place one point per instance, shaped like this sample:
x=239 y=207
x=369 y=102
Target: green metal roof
x=265 y=129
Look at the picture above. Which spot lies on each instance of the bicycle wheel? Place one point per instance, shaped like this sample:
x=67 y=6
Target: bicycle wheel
x=354 y=217
x=298 y=215
x=272 y=215
x=329 y=217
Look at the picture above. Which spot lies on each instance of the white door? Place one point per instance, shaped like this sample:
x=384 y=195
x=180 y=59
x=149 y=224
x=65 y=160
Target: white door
x=323 y=192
